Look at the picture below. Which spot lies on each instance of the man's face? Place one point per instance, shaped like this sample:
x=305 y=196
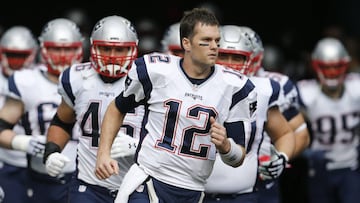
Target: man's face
x=205 y=43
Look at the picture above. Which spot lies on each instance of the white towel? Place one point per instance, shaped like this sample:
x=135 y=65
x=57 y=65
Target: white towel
x=133 y=178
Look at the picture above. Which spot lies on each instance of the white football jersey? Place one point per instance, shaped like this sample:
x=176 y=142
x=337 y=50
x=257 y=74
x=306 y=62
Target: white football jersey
x=9 y=156
x=40 y=98
x=83 y=90
x=288 y=103
x=177 y=148
x=229 y=180
x=333 y=121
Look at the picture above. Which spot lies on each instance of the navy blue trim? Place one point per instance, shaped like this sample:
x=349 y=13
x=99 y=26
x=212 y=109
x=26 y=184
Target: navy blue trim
x=290 y=113
x=143 y=76
x=276 y=91
x=252 y=136
x=65 y=81
x=243 y=93
x=289 y=85
x=236 y=131
x=125 y=104
x=12 y=85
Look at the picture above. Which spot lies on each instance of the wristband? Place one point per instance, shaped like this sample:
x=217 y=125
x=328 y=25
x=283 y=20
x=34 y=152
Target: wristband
x=285 y=156
x=50 y=147
x=20 y=142
x=234 y=156
x=300 y=128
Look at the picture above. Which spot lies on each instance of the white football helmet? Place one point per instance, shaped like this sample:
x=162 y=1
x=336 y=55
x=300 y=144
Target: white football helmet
x=330 y=60
x=61 y=34
x=18 y=49
x=233 y=42
x=171 y=40
x=256 y=62
x=113 y=31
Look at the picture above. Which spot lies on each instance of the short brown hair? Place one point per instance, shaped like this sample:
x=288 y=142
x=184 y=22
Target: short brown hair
x=194 y=16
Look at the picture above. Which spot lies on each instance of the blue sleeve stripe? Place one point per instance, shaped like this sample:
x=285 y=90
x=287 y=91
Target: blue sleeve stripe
x=290 y=113
x=301 y=102
x=252 y=136
x=276 y=91
x=143 y=76
x=125 y=104
x=236 y=131
x=288 y=87
x=243 y=93
x=12 y=86
x=65 y=81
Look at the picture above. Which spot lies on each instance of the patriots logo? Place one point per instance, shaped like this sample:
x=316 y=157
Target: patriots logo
x=252 y=108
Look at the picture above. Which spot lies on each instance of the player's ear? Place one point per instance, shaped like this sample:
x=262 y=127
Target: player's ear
x=186 y=43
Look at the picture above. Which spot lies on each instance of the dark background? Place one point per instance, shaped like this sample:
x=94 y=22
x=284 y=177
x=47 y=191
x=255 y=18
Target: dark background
x=302 y=21
x=291 y=26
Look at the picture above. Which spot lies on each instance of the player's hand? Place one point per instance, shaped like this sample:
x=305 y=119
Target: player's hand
x=55 y=163
x=37 y=145
x=219 y=137
x=123 y=145
x=31 y=144
x=105 y=165
x=272 y=169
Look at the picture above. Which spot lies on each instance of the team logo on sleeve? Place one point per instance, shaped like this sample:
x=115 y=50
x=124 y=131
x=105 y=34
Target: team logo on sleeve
x=127 y=82
x=252 y=107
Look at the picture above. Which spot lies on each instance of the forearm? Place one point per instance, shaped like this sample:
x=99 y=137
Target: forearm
x=302 y=141
x=111 y=124
x=6 y=138
x=280 y=132
x=301 y=133
x=286 y=144
x=58 y=136
x=6 y=132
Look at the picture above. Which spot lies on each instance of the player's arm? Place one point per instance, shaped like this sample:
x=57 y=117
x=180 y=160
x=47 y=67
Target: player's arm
x=295 y=117
x=113 y=119
x=61 y=126
x=59 y=133
x=301 y=133
x=283 y=138
x=10 y=114
x=231 y=153
x=280 y=132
